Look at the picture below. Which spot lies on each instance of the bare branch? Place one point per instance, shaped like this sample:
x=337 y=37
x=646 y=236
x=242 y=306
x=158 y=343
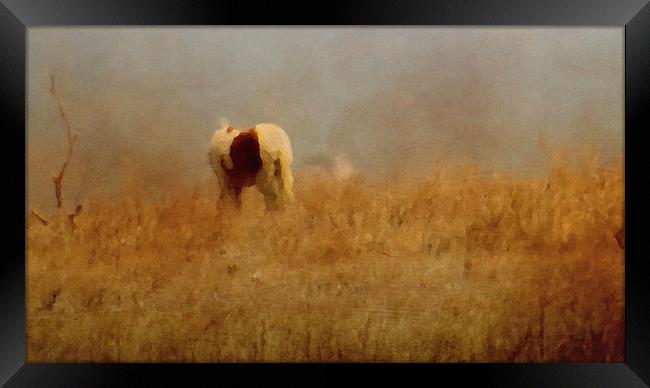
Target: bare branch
x=72 y=139
x=58 y=179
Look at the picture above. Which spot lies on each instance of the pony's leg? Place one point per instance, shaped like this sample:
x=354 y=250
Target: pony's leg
x=271 y=201
x=229 y=193
x=235 y=194
x=270 y=191
x=224 y=187
x=268 y=186
x=215 y=160
x=224 y=193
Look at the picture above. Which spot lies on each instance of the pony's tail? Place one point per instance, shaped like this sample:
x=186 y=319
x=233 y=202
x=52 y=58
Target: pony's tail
x=287 y=178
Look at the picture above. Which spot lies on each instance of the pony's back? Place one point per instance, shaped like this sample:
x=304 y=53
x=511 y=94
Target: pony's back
x=275 y=141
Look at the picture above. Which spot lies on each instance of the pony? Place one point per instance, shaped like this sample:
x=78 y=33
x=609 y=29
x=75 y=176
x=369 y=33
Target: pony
x=260 y=156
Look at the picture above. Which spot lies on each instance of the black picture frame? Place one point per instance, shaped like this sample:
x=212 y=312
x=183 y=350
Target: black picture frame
x=18 y=15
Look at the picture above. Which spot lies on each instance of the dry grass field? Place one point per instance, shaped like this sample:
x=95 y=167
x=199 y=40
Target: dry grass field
x=460 y=266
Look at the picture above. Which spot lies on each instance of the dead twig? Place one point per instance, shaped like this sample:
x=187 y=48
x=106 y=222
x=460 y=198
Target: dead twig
x=38 y=217
x=58 y=179
x=73 y=215
x=389 y=255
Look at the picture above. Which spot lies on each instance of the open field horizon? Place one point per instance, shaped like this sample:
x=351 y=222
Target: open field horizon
x=146 y=101
x=459 y=266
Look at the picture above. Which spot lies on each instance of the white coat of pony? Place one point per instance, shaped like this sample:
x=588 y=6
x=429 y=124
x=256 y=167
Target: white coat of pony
x=274 y=179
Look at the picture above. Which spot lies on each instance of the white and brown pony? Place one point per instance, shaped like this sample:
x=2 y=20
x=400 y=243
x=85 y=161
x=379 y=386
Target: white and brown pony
x=260 y=156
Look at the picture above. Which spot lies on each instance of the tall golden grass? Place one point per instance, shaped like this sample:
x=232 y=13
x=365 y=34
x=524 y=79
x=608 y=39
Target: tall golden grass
x=459 y=266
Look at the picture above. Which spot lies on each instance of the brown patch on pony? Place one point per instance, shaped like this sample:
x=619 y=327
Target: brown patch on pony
x=230 y=129
x=246 y=159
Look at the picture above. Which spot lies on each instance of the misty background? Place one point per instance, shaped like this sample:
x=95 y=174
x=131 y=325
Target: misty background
x=146 y=101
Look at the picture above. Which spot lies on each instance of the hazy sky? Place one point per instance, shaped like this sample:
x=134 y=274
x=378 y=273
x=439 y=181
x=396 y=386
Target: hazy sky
x=147 y=100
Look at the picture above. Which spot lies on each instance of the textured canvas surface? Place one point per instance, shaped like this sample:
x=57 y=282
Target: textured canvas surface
x=458 y=195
